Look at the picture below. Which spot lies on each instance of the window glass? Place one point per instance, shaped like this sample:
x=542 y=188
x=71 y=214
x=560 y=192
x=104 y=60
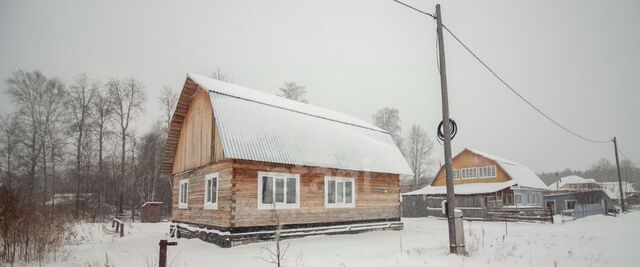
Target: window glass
x=348 y=198
x=279 y=190
x=214 y=190
x=331 y=191
x=571 y=205
x=339 y=192
x=209 y=190
x=267 y=190
x=291 y=190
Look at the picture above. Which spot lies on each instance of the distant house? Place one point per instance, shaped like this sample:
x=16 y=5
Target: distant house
x=482 y=181
x=578 y=204
x=574 y=183
x=242 y=160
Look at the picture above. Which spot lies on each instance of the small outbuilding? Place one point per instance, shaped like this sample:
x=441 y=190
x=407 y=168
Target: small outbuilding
x=151 y=212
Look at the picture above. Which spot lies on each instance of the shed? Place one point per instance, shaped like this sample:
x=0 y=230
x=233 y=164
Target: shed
x=151 y=212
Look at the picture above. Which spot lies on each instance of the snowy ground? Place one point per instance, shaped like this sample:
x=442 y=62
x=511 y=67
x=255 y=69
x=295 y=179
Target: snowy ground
x=592 y=241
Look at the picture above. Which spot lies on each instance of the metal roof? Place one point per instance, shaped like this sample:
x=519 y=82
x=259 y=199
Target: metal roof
x=257 y=126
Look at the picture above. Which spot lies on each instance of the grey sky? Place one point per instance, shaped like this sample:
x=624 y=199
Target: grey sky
x=577 y=60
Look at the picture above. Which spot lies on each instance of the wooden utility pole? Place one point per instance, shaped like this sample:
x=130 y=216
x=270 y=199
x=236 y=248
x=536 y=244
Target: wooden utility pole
x=615 y=147
x=454 y=245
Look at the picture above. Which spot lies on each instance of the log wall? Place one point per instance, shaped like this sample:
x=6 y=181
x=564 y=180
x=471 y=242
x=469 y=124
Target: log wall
x=377 y=196
x=195 y=213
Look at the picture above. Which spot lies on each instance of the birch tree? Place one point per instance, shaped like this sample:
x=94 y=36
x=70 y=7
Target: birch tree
x=79 y=98
x=388 y=119
x=127 y=98
x=101 y=115
x=418 y=148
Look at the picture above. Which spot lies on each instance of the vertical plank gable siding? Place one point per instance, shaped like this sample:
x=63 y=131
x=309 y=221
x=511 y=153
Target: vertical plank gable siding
x=468 y=159
x=370 y=202
x=194 y=144
x=195 y=213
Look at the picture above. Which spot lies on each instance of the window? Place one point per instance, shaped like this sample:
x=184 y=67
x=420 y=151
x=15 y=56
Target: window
x=507 y=199
x=211 y=191
x=570 y=204
x=339 y=192
x=518 y=198
x=183 y=194
x=487 y=172
x=278 y=190
x=474 y=172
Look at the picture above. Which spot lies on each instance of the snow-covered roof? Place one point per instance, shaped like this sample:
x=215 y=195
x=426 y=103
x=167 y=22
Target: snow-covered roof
x=612 y=189
x=571 y=179
x=463 y=189
x=258 y=126
x=522 y=175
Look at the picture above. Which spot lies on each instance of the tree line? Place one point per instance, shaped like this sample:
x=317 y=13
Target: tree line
x=602 y=171
x=79 y=137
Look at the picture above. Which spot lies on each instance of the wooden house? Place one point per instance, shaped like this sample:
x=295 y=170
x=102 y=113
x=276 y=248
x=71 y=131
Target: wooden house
x=574 y=183
x=481 y=182
x=243 y=161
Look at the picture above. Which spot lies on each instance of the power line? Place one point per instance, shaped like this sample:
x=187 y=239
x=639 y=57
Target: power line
x=504 y=82
x=520 y=96
x=415 y=9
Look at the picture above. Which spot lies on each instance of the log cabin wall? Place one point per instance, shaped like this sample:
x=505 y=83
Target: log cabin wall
x=195 y=212
x=376 y=196
x=468 y=159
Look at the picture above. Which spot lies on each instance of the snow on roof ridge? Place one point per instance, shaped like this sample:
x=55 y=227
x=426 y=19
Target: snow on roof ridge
x=248 y=94
x=493 y=157
x=521 y=174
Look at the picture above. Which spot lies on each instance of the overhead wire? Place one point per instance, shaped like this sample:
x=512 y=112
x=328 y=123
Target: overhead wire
x=545 y=115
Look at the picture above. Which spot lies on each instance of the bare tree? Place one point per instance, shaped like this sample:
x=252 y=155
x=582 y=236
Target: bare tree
x=277 y=255
x=37 y=100
x=220 y=76
x=293 y=91
x=79 y=98
x=101 y=114
x=11 y=134
x=168 y=102
x=128 y=97
x=52 y=118
x=418 y=148
x=389 y=120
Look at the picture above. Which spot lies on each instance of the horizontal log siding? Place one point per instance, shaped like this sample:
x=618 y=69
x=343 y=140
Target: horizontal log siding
x=370 y=203
x=195 y=213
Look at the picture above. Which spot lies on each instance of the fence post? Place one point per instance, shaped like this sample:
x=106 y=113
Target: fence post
x=121 y=229
x=162 y=261
x=551 y=214
x=113 y=223
x=117 y=226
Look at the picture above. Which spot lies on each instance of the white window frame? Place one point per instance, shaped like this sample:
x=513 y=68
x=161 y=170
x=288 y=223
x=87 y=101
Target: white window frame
x=487 y=170
x=185 y=204
x=339 y=179
x=517 y=198
x=211 y=205
x=278 y=205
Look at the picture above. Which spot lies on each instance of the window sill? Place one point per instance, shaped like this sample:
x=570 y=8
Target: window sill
x=182 y=206
x=211 y=206
x=339 y=206
x=278 y=206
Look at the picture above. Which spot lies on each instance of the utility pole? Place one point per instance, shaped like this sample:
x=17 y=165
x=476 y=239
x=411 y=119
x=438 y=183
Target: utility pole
x=615 y=147
x=456 y=238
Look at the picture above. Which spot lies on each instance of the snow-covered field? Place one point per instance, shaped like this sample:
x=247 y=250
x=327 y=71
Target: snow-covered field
x=592 y=241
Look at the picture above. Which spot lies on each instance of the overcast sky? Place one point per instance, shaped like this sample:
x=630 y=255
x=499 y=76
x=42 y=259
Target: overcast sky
x=577 y=60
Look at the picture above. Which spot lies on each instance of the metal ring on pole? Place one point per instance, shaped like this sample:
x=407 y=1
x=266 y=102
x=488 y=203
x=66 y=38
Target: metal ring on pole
x=453 y=130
